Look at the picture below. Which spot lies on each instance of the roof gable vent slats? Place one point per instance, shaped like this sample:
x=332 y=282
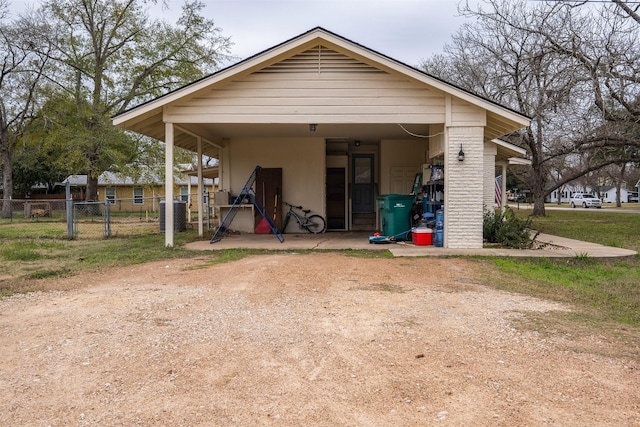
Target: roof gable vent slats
x=320 y=60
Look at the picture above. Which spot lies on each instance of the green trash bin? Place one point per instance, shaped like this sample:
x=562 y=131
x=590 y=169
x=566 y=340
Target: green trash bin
x=395 y=214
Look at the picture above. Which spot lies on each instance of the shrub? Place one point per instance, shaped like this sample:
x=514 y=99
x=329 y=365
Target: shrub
x=507 y=229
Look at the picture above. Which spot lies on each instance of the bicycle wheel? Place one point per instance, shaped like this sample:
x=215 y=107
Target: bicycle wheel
x=315 y=224
x=286 y=222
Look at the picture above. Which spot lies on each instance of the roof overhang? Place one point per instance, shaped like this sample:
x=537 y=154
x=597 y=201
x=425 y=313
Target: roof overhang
x=516 y=161
x=210 y=172
x=148 y=119
x=510 y=153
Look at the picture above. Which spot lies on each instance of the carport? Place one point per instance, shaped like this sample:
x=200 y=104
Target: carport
x=320 y=105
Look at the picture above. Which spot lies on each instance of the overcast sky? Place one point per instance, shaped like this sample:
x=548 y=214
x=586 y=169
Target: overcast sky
x=406 y=30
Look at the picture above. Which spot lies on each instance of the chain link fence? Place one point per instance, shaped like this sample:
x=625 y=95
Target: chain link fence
x=49 y=218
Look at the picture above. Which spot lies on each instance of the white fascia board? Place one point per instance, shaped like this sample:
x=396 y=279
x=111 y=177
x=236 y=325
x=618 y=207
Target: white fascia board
x=519 y=161
x=511 y=147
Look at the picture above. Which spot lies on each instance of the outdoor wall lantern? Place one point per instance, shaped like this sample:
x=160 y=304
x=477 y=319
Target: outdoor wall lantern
x=461 y=154
x=313 y=127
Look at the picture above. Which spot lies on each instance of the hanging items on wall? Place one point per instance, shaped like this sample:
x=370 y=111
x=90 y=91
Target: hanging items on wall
x=437 y=173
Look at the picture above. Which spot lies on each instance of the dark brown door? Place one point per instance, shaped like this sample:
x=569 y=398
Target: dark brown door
x=336 y=195
x=268 y=187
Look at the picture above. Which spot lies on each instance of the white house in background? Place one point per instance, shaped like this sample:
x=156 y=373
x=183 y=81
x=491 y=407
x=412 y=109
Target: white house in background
x=343 y=124
x=606 y=193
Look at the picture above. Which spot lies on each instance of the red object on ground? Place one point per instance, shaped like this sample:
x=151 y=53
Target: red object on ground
x=422 y=236
x=263 y=227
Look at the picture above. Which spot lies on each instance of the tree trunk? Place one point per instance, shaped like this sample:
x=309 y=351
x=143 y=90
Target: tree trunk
x=623 y=170
x=538 y=206
x=7 y=184
x=92 y=188
x=6 y=153
x=538 y=180
x=92 y=195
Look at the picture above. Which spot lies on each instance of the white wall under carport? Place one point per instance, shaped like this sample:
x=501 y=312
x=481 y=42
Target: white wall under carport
x=302 y=161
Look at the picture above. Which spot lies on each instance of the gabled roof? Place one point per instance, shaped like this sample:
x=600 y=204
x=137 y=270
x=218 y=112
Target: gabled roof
x=147 y=118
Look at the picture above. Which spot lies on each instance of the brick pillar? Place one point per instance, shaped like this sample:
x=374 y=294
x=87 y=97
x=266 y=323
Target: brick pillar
x=464 y=187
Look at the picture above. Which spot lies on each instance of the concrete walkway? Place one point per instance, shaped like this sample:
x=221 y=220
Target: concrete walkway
x=556 y=246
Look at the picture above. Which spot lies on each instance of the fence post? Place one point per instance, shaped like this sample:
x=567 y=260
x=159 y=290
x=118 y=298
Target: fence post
x=69 y=210
x=107 y=218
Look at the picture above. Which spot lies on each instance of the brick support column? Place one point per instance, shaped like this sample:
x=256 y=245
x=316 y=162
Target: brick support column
x=464 y=187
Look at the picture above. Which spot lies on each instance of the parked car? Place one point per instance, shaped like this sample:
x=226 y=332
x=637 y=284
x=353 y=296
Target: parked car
x=516 y=197
x=585 y=200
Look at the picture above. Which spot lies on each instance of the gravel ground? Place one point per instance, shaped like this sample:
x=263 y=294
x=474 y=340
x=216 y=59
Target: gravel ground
x=292 y=340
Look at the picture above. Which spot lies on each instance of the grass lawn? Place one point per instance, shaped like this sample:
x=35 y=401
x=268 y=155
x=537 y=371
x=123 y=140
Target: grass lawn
x=28 y=253
x=602 y=291
x=617 y=229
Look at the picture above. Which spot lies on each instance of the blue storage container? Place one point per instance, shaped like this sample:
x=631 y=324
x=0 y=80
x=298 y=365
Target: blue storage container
x=439 y=238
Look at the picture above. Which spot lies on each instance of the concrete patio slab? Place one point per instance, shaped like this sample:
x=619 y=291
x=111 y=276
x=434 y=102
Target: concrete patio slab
x=556 y=246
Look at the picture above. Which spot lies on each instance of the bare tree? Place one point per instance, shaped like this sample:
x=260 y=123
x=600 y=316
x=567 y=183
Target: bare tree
x=629 y=8
x=569 y=66
x=21 y=73
x=498 y=57
x=110 y=56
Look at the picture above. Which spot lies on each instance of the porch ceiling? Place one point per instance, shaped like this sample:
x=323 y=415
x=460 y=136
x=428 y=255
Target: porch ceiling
x=297 y=130
x=215 y=134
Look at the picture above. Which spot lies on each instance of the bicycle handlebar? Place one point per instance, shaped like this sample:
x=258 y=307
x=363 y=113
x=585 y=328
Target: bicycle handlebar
x=293 y=206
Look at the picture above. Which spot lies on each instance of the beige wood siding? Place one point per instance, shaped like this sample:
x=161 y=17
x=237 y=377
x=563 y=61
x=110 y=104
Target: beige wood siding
x=436 y=140
x=308 y=87
x=464 y=113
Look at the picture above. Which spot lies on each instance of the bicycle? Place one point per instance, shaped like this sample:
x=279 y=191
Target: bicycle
x=312 y=223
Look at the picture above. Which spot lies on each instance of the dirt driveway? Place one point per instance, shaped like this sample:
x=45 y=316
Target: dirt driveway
x=294 y=340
